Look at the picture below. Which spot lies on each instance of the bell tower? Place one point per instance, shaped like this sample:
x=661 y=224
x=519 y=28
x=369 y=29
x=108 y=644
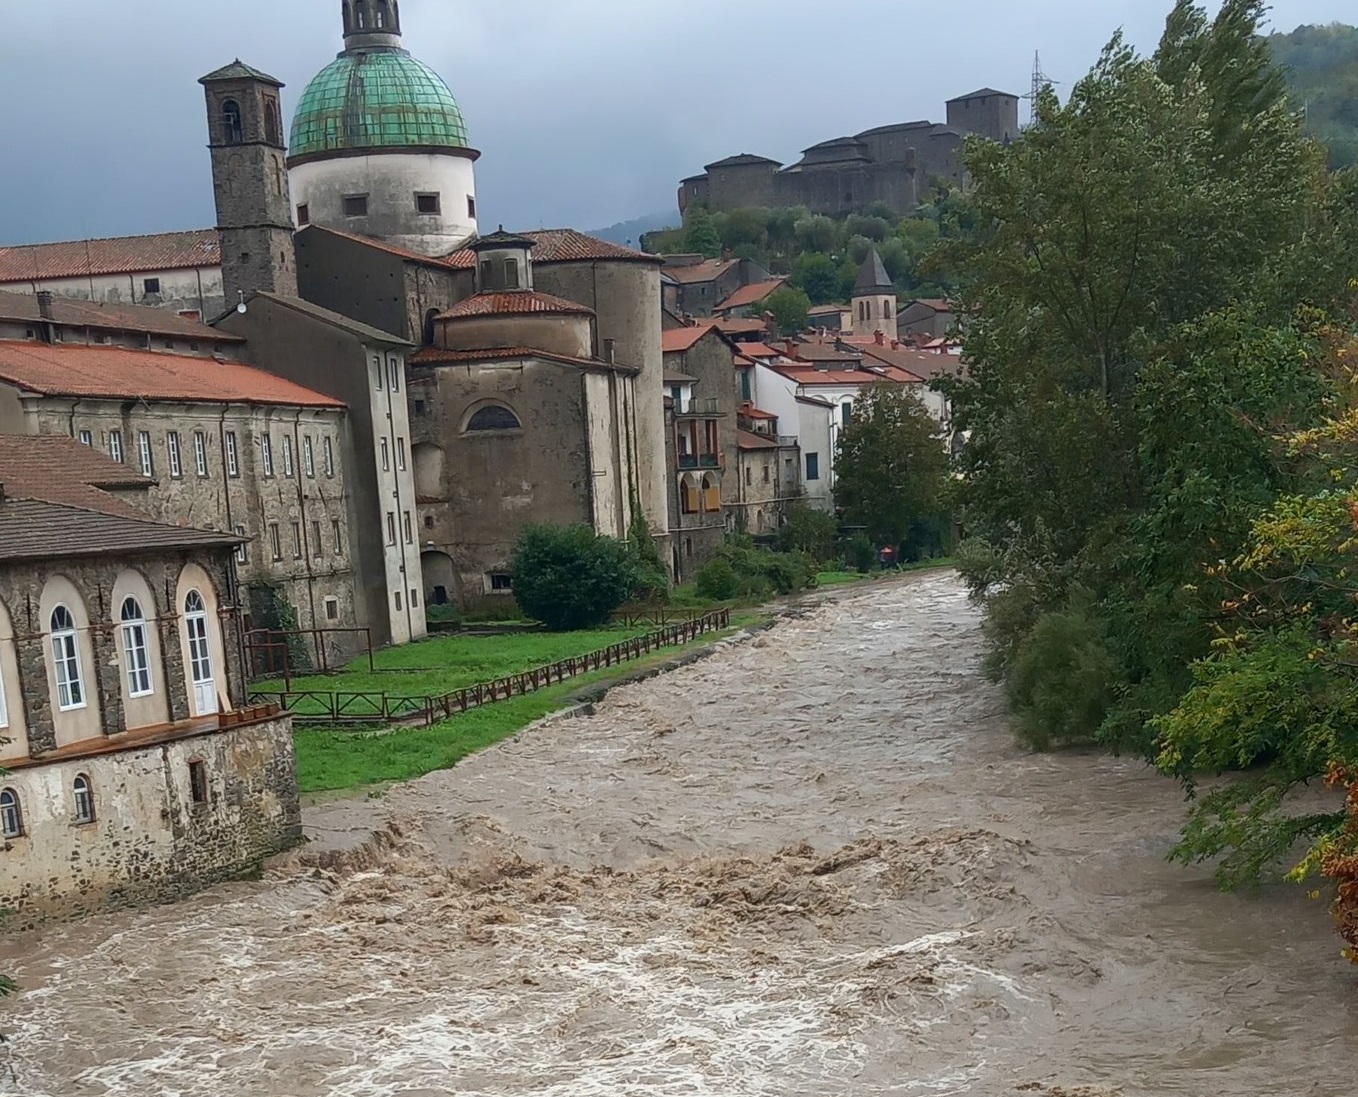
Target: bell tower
x=250 y=181
x=371 y=24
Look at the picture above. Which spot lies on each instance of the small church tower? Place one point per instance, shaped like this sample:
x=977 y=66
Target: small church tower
x=874 y=300
x=250 y=180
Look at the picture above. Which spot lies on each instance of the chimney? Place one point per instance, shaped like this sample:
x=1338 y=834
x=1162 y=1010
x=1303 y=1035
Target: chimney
x=790 y=347
x=609 y=347
x=45 y=304
x=880 y=336
x=895 y=344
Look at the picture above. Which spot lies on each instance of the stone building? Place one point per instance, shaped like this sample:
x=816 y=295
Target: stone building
x=890 y=165
x=177 y=271
x=873 y=303
x=926 y=317
x=768 y=475
x=225 y=446
x=518 y=423
x=134 y=772
x=698 y=287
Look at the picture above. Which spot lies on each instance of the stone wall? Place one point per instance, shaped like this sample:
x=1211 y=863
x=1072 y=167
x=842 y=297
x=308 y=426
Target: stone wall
x=149 y=841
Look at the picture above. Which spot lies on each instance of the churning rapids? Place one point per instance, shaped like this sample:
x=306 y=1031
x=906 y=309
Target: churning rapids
x=813 y=864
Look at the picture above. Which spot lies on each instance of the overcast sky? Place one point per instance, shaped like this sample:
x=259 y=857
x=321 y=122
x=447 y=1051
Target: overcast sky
x=587 y=112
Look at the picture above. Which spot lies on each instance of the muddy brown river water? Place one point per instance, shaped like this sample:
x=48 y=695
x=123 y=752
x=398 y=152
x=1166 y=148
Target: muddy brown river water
x=813 y=864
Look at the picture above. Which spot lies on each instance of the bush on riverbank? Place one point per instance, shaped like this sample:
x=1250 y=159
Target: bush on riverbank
x=740 y=570
x=569 y=577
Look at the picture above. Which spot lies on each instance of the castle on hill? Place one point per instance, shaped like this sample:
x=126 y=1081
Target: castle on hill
x=892 y=165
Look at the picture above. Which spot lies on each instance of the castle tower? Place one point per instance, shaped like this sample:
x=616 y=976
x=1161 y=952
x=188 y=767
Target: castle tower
x=250 y=180
x=379 y=146
x=874 y=300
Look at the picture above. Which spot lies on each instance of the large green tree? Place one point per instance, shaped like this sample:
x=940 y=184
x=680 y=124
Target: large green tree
x=891 y=469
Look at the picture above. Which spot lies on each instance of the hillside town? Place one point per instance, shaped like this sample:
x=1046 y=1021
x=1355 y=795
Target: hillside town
x=477 y=656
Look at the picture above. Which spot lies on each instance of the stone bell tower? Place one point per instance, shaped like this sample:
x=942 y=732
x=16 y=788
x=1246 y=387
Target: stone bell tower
x=250 y=180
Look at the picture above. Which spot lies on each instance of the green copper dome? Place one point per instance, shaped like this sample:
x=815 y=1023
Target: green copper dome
x=379 y=99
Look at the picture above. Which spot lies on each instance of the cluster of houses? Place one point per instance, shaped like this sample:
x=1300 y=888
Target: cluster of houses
x=335 y=409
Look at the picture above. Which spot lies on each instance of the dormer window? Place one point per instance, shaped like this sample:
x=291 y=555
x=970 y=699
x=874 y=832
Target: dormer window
x=232 y=133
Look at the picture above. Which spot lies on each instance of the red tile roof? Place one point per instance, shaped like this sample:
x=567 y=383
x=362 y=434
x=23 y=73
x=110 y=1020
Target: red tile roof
x=678 y=340
x=759 y=350
x=390 y=249
x=750 y=295
x=707 y=271
x=741 y=325
x=747 y=439
x=119 y=374
x=807 y=375
x=116 y=255
x=58 y=469
x=439 y=356
x=71 y=312
x=923 y=364
x=562 y=246
x=515 y=303
x=755 y=413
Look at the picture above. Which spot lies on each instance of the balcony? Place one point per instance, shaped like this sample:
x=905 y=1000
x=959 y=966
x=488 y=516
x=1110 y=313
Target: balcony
x=699 y=409
x=700 y=460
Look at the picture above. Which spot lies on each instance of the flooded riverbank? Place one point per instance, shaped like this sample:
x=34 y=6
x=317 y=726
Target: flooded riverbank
x=813 y=864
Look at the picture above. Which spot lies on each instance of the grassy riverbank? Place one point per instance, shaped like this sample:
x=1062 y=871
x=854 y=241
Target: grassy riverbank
x=332 y=761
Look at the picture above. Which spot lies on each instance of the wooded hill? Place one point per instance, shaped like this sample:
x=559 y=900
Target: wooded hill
x=1322 y=71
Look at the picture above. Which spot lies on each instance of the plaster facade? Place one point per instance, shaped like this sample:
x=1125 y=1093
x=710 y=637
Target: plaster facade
x=197 y=291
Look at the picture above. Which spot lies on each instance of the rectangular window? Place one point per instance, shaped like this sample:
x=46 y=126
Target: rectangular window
x=391 y=527
x=355 y=205
x=242 y=551
x=87 y=439
x=144 y=452
x=332 y=609
x=275 y=541
x=846 y=413
x=297 y=540
x=427 y=203
x=317 y=545
x=414 y=599
x=172 y=446
x=137 y=665
x=200 y=453
x=813 y=466
x=511 y=274
x=309 y=457
x=198 y=789
x=401 y=454
x=339 y=537
x=328 y=456
x=766 y=474
x=749 y=476
x=409 y=527
x=266 y=454
x=500 y=582
x=394 y=373
x=745 y=390
x=232 y=454
x=304 y=214
x=397 y=596
x=150 y=286
x=288 y=468
x=385 y=450
x=377 y=372
x=115 y=445
x=471 y=206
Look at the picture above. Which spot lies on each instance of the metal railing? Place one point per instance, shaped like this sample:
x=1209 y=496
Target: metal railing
x=340 y=707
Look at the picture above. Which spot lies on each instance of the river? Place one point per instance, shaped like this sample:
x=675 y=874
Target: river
x=814 y=863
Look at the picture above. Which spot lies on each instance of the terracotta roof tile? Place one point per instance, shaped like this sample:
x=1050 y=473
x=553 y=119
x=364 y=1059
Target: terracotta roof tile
x=116 y=255
x=759 y=350
x=562 y=246
x=751 y=294
x=923 y=364
x=75 y=313
x=756 y=413
x=439 y=356
x=808 y=375
x=674 y=377
x=707 y=271
x=678 y=340
x=120 y=374
x=742 y=325
x=59 y=469
x=515 y=303
x=748 y=439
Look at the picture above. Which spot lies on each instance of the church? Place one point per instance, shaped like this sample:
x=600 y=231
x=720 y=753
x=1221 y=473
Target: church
x=533 y=389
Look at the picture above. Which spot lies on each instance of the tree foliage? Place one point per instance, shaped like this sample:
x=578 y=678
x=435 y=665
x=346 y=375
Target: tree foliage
x=891 y=470
x=1155 y=285
x=569 y=577
x=1322 y=66
x=790 y=309
x=811 y=531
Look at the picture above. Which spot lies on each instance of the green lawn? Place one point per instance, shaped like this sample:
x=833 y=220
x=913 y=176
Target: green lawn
x=442 y=664
x=329 y=761
x=838 y=578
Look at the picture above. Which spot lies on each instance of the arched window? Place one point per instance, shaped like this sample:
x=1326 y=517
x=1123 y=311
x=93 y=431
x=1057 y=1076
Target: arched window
x=429 y=327
x=381 y=14
x=66 y=661
x=689 y=501
x=84 y=799
x=344 y=12
x=200 y=655
x=273 y=130
x=231 y=126
x=886 y=308
x=711 y=495
x=360 y=16
x=493 y=417
x=11 y=815
x=137 y=664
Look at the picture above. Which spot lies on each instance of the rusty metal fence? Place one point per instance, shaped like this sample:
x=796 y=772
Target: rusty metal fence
x=336 y=708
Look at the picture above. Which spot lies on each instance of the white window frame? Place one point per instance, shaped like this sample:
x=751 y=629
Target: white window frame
x=338 y=531
x=176 y=458
x=11 y=814
x=266 y=454
x=276 y=541
x=115 y=445
x=408 y=525
x=242 y=550
x=66 y=663
x=309 y=457
x=136 y=651
x=84 y=812
x=386 y=455
x=393 y=373
x=86 y=438
x=200 y=453
x=289 y=469
x=232 y=455
x=148 y=467
x=401 y=454
x=328 y=454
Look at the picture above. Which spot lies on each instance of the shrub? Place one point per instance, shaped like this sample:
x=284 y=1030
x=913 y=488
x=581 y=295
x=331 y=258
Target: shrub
x=569 y=577
x=862 y=553
x=810 y=531
x=717 y=580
